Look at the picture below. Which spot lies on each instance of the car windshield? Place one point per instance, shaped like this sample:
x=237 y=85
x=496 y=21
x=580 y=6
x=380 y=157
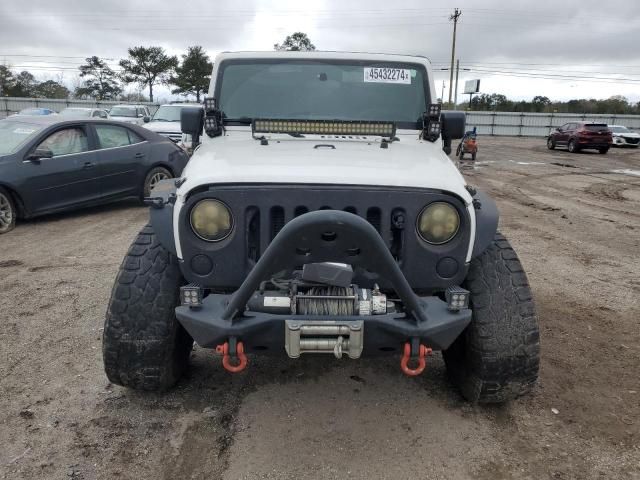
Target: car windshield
x=619 y=129
x=322 y=90
x=34 y=111
x=595 y=127
x=76 y=112
x=167 y=113
x=123 y=112
x=14 y=134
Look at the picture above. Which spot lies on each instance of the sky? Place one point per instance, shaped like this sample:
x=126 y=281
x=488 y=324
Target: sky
x=562 y=50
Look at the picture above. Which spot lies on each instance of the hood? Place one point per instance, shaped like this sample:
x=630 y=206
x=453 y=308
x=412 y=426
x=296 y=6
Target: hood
x=173 y=127
x=238 y=158
x=626 y=134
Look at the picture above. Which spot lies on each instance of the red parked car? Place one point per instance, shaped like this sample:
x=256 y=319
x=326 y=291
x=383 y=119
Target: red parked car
x=577 y=136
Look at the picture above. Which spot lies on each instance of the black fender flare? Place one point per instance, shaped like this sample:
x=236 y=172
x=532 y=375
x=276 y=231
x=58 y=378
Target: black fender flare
x=487 y=217
x=162 y=200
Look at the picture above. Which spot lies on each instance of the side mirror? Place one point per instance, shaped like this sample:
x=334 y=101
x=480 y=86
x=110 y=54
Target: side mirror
x=558 y=129
x=146 y=119
x=453 y=124
x=453 y=127
x=40 y=153
x=192 y=122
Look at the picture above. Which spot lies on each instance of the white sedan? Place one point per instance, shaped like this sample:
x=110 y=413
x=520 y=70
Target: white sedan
x=623 y=137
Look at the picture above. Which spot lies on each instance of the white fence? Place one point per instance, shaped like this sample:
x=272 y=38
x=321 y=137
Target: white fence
x=11 y=105
x=538 y=124
x=487 y=123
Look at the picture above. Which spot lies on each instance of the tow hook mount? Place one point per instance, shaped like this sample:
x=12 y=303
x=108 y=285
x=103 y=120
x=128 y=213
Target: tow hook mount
x=229 y=349
x=414 y=349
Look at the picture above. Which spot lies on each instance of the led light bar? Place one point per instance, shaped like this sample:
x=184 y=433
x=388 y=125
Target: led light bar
x=457 y=298
x=324 y=127
x=433 y=129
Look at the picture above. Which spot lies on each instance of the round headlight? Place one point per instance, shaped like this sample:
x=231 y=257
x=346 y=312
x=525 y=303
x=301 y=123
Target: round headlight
x=211 y=220
x=438 y=223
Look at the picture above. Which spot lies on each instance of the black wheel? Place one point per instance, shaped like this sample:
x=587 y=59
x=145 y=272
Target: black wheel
x=603 y=150
x=551 y=144
x=461 y=156
x=473 y=156
x=459 y=149
x=155 y=175
x=7 y=212
x=143 y=345
x=496 y=358
x=573 y=147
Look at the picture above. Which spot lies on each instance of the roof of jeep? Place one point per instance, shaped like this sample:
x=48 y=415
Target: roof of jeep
x=327 y=55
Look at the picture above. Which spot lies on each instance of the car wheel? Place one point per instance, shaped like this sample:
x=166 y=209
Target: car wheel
x=572 y=146
x=496 y=358
x=154 y=176
x=603 y=150
x=551 y=144
x=7 y=212
x=143 y=345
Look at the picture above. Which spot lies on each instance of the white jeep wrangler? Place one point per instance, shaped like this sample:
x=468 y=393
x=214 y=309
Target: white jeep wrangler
x=320 y=213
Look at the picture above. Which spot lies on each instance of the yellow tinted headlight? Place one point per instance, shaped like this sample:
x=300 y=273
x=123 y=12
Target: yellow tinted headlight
x=438 y=223
x=211 y=220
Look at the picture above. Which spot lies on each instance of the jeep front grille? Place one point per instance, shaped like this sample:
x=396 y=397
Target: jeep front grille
x=263 y=224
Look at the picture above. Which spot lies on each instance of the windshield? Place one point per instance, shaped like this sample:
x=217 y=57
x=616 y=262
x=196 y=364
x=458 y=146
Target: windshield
x=595 y=127
x=75 y=112
x=322 y=90
x=167 y=113
x=123 y=112
x=14 y=134
x=34 y=111
x=619 y=129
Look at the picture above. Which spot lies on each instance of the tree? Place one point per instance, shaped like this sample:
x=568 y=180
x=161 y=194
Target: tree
x=24 y=86
x=7 y=80
x=193 y=76
x=148 y=67
x=51 y=89
x=539 y=103
x=101 y=81
x=297 y=42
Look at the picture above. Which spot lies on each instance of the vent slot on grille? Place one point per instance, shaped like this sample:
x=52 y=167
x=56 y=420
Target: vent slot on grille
x=300 y=210
x=277 y=220
x=252 y=220
x=353 y=210
x=374 y=217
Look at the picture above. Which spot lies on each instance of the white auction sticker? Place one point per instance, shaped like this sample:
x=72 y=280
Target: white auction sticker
x=277 y=302
x=387 y=75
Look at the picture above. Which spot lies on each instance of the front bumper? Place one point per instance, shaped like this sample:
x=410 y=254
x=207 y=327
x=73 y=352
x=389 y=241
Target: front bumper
x=301 y=241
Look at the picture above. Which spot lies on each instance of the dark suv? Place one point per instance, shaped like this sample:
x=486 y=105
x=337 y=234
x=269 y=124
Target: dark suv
x=577 y=136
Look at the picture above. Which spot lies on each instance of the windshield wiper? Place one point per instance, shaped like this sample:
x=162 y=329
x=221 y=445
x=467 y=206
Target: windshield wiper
x=297 y=135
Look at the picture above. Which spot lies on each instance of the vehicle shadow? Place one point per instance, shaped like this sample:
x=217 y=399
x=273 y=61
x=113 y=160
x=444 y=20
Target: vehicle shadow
x=107 y=208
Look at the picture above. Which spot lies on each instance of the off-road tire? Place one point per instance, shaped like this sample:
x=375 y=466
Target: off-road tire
x=8 y=212
x=143 y=345
x=573 y=147
x=551 y=144
x=153 y=176
x=496 y=358
x=603 y=150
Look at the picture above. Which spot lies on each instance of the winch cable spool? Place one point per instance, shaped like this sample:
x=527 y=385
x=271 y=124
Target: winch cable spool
x=327 y=306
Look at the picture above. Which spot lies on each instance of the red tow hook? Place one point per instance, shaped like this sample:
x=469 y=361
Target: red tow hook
x=226 y=358
x=423 y=351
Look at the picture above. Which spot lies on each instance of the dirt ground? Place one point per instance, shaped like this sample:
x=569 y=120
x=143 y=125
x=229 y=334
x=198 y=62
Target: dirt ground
x=576 y=226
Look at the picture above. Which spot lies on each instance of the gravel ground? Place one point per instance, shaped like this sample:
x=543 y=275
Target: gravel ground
x=576 y=226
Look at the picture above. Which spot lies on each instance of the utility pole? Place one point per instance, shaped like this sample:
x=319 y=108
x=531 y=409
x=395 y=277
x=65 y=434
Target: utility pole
x=442 y=95
x=455 y=98
x=454 y=17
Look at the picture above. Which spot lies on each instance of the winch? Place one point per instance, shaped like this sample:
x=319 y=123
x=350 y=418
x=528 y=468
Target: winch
x=324 y=291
